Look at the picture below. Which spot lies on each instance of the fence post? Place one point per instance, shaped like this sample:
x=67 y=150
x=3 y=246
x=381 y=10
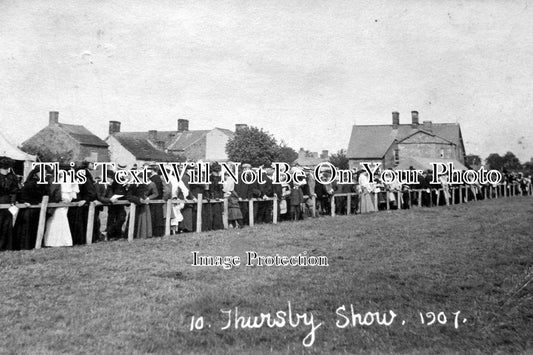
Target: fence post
x=348 y=204
x=452 y=193
x=42 y=222
x=461 y=194
x=376 y=206
x=105 y=211
x=332 y=205
x=251 y=212
x=225 y=214
x=313 y=207
x=90 y=224
x=473 y=192
x=275 y=210
x=387 y=199
x=168 y=216
x=484 y=192
x=199 y=202
x=419 y=198
x=400 y=200
x=131 y=225
x=409 y=197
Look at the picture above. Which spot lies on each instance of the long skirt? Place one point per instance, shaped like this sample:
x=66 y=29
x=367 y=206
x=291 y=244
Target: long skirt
x=158 y=219
x=25 y=231
x=367 y=203
x=216 y=216
x=77 y=218
x=57 y=232
x=143 y=223
x=6 y=230
x=116 y=216
x=187 y=223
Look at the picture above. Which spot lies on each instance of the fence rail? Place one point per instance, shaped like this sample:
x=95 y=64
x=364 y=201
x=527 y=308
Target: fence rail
x=488 y=192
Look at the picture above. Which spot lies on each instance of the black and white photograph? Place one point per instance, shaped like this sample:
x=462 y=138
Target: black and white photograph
x=266 y=177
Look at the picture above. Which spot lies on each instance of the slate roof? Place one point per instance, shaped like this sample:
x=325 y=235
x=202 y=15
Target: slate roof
x=423 y=163
x=373 y=141
x=82 y=135
x=137 y=144
x=185 y=139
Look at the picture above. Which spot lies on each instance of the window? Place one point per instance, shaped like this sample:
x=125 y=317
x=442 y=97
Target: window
x=442 y=153
x=396 y=157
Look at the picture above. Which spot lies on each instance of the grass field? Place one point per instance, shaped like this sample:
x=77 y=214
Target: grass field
x=122 y=298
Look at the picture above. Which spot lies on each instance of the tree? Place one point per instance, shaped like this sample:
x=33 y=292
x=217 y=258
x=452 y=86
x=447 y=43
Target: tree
x=339 y=159
x=252 y=145
x=494 y=161
x=511 y=162
x=527 y=168
x=508 y=162
x=473 y=161
x=44 y=154
x=286 y=154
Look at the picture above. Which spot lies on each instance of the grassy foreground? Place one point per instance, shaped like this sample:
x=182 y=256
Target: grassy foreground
x=139 y=297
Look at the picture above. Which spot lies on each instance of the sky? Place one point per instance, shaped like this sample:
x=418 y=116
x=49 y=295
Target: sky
x=305 y=71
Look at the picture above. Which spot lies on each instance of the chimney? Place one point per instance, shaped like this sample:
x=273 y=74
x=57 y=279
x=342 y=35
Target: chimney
x=239 y=126
x=324 y=154
x=427 y=126
x=183 y=125
x=53 y=118
x=114 y=127
x=152 y=136
x=414 y=116
x=395 y=119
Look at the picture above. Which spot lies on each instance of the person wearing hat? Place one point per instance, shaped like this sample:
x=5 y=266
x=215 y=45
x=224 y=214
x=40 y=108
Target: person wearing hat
x=141 y=194
x=8 y=194
x=78 y=216
x=157 y=211
x=31 y=193
x=104 y=194
x=58 y=232
x=117 y=214
x=215 y=192
x=244 y=191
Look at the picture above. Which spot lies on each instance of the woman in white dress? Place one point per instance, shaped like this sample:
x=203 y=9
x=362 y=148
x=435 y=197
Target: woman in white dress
x=57 y=228
x=367 y=188
x=176 y=186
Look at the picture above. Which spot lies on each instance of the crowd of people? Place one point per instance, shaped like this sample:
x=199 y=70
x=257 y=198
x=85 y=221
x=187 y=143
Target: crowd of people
x=67 y=225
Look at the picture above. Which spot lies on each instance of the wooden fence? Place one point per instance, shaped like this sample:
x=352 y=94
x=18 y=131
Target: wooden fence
x=488 y=192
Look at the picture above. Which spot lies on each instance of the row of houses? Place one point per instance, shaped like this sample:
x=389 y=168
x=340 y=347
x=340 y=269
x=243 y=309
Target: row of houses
x=129 y=147
x=393 y=145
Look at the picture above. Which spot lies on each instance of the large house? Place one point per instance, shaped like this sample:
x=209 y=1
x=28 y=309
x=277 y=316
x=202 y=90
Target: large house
x=404 y=145
x=159 y=146
x=76 y=141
